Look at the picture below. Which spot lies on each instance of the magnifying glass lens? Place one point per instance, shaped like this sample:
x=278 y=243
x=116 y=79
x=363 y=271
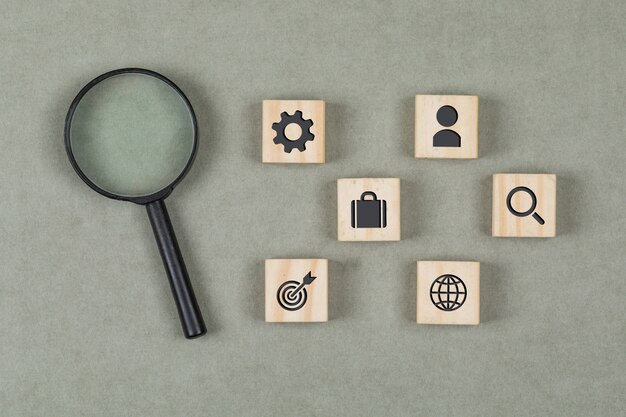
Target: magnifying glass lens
x=521 y=202
x=132 y=135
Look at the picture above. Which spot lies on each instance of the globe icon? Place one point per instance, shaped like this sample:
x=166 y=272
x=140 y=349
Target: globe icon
x=448 y=292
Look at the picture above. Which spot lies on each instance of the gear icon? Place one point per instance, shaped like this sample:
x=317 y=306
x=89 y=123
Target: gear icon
x=285 y=120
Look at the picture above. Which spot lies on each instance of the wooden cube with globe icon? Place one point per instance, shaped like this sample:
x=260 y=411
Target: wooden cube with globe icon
x=296 y=290
x=448 y=292
x=293 y=131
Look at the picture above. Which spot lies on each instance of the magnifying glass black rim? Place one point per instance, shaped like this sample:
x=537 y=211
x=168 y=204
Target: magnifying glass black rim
x=144 y=199
x=532 y=195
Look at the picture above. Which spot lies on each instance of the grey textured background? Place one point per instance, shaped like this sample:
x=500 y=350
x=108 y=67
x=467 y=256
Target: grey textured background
x=87 y=323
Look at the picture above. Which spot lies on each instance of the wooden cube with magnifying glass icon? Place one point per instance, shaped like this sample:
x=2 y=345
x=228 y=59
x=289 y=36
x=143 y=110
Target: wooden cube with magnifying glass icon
x=524 y=205
x=293 y=131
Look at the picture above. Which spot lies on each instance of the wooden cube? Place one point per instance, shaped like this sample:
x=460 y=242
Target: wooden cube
x=446 y=127
x=448 y=292
x=368 y=209
x=296 y=290
x=293 y=131
x=524 y=205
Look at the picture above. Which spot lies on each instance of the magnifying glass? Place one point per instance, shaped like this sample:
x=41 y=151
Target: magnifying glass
x=131 y=134
x=532 y=208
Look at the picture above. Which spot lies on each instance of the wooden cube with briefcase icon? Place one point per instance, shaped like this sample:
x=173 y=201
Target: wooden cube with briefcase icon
x=368 y=209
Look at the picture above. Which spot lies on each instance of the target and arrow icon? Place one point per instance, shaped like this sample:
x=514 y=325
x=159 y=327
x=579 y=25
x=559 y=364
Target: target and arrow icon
x=291 y=295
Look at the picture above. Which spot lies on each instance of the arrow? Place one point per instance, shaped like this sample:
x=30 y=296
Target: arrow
x=305 y=281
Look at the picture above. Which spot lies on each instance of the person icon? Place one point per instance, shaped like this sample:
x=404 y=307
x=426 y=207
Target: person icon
x=447 y=116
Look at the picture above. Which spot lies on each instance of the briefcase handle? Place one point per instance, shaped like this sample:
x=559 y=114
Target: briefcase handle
x=370 y=193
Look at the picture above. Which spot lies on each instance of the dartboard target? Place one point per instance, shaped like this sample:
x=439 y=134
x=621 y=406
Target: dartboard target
x=288 y=298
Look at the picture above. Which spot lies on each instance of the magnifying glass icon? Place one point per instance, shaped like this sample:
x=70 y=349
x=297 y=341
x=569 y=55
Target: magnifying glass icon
x=532 y=208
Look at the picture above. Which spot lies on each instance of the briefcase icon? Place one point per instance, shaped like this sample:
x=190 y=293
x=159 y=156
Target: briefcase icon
x=369 y=213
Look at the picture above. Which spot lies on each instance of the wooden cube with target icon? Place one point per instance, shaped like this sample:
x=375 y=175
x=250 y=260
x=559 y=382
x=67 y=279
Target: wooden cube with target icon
x=293 y=131
x=296 y=290
x=448 y=292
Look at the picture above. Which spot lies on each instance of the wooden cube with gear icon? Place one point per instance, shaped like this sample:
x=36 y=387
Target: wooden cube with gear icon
x=524 y=205
x=448 y=292
x=293 y=131
x=368 y=209
x=446 y=127
x=296 y=290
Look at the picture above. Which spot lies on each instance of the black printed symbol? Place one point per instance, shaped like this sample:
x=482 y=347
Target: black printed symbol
x=285 y=136
x=447 y=116
x=369 y=213
x=448 y=292
x=532 y=208
x=291 y=295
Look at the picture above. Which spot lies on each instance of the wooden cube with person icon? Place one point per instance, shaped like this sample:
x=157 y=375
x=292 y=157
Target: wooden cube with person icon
x=446 y=126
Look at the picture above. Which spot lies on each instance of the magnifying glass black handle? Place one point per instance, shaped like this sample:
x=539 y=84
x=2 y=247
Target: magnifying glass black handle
x=188 y=310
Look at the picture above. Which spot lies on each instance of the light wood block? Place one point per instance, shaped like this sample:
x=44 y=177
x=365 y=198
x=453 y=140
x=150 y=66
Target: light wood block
x=446 y=127
x=518 y=217
x=448 y=292
x=291 y=294
x=374 y=216
x=288 y=122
